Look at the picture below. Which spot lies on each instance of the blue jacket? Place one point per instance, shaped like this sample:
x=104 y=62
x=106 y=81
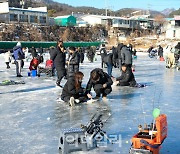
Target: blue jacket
x=18 y=53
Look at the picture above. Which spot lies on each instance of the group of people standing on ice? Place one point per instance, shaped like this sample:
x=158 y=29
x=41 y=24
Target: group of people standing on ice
x=99 y=80
x=68 y=67
x=16 y=58
x=170 y=54
x=18 y=55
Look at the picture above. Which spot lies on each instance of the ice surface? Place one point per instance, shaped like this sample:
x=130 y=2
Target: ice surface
x=31 y=118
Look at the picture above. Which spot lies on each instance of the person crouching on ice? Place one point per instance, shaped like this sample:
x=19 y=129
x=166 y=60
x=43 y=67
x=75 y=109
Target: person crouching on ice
x=101 y=82
x=34 y=64
x=72 y=92
x=127 y=77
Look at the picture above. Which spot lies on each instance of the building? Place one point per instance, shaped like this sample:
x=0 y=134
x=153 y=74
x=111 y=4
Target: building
x=173 y=33
x=135 y=22
x=65 y=21
x=177 y=20
x=173 y=28
x=18 y=15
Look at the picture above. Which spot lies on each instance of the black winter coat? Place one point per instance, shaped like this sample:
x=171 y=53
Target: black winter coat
x=119 y=47
x=33 y=52
x=74 y=61
x=58 y=57
x=127 y=78
x=160 y=51
x=81 y=53
x=104 y=78
x=70 y=90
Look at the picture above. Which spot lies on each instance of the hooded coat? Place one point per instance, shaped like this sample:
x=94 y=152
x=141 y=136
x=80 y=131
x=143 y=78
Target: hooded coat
x=58 y=57
x=74 y=61
x=126 y=56
x=18 y=54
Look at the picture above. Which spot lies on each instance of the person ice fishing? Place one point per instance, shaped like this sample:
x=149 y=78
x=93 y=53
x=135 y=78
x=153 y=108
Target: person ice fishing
x=108 y=60
x=126 y=56
x=177 y=53
x=103 y=53
x=119 y=47
x=73 y=61
x=34 y=64
x=160 y=51
x=33 y=52
x=7 y=57
x=58 y=56
x=101 y=82
x=81 y=53
x=127 y=77
x=90 y=54
x=115 y=57
x=73 y=92
x=18 y=55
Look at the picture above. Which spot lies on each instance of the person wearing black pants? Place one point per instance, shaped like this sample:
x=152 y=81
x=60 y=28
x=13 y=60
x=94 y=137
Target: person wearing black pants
x=101 y=82
x=59 y=58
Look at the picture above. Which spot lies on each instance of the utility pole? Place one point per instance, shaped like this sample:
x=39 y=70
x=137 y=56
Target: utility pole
x=22 y=3
x=149 y=8
x=106 y=7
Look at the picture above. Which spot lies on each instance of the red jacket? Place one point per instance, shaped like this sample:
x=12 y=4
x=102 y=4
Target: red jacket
x=34 y=64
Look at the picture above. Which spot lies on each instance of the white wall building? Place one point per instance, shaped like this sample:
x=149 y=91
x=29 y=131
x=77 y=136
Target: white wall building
x=173 y=33
x=18 y=15
x=92 y=19
x=173 y=28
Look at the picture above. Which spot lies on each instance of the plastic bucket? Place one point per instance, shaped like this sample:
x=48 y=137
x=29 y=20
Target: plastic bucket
x=34 y=73
x=29 y=73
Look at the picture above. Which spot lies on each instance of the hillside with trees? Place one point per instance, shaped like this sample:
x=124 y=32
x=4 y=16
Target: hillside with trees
x=58 y=9
x=177 y=12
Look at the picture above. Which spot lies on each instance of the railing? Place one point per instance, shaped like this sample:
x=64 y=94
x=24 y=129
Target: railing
x=11 y=44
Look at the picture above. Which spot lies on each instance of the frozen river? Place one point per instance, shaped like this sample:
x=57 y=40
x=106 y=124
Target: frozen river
x=31 y=118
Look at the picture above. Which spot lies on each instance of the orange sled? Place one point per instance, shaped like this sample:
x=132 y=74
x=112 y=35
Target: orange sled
x=147 y=141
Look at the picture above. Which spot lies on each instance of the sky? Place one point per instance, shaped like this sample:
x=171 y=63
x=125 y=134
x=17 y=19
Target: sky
x=158 y=5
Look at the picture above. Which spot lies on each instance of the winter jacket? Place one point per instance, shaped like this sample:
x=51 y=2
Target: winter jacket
x=18 y=54
x=34 y=64
x=7 y=57
x=178 y=46
x=126 y=56
x=160 y=51
x=70 y=90
x=33 y=52
x=108 y=59
x=81 y=53
x=127 y=78
x=104 y=79
x=115 y=54
x=119 y=47
x=74 y=61
x=58 y=57
x=90 y=53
